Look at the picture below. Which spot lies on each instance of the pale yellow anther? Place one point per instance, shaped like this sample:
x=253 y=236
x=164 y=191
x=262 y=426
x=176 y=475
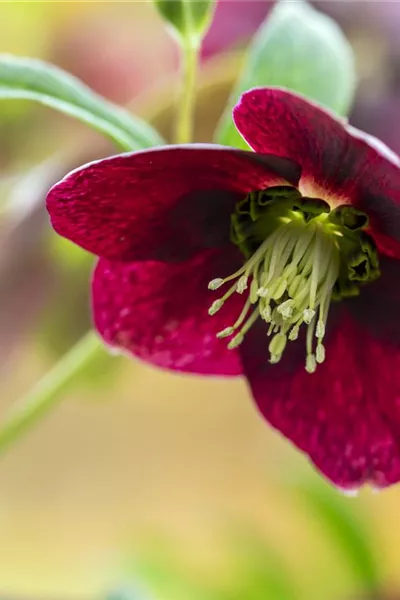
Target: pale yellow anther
x=320 y=353
x=277 y=344
x=236 y=341
x=215 y=307
x=215 y=283
x=286 y=309
x=308 y=315
x=242 y=284
x=275 y=358
x=311 y=363
x=320 y=330
x=262 y=292
x=225 y=332
x=267 y=314
x=289 y=281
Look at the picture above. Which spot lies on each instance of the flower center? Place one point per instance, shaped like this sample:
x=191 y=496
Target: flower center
x=300 y=256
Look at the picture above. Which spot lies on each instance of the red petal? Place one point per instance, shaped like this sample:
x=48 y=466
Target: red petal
x=160 y=204
x=377 y=306
x=345 y=416
x=339 y=163
x=158 y=312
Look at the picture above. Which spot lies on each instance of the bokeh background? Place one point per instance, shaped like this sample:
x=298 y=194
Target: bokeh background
x=144 y=485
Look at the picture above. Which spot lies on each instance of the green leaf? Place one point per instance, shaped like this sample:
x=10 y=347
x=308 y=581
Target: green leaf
x=300 y=49
x=347 y=529
x=260 y=572
x=188 y=19
x=32 y=79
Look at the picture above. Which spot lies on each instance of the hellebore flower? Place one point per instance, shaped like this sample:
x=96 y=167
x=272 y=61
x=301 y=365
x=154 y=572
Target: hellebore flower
x=301 y=238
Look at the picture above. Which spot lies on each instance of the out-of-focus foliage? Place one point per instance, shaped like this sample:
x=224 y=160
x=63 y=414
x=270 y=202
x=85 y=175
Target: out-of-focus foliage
x=256 y=570
x=160 y=453
x=189 y=21
x=301 y=49
x=29 y=79
x=346 y=529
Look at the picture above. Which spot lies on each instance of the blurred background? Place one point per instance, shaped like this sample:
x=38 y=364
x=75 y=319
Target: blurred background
x=143 y=485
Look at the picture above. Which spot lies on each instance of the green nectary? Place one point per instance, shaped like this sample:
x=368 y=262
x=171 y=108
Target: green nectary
x=299 y=255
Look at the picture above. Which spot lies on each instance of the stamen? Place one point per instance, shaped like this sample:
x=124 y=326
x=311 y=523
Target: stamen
x=225 y=332
x=254 y=287
x=243 y=314
x=277 y=345
x=316 y=269
x=308 y=315
x=311 y=363
x=295 y=285
x=278 y=248
x=320 y=330
x=286 y=308
x=275 y=358
x=241 y=284
x=279 y=289
x=215 y=307
x=262 y=292
x=236 y=341
x=320 y=353
x=216 y=283
x=267 y=313
x=289 y=279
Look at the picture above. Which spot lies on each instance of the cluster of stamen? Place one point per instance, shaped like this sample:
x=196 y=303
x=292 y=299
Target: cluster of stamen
x=289 y=280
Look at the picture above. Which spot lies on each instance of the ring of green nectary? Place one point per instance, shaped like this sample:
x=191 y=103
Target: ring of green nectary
x=260 y=213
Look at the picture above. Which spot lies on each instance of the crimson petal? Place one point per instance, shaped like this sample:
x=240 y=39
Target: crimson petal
x=377 y=306
x=346 y=415
x=339 y=163
x=158 y=312
x=160 y=204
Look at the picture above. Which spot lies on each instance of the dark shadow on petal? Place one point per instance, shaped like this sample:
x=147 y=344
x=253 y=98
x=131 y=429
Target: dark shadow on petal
x=199 y=220
x=383 y=208
x=378 y=305
x=288 y=169
x=255 y=355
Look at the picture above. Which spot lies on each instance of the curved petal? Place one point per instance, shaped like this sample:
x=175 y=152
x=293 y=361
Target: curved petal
x=158 y=312
x=376 y=309
x=339 y=163
x=160 y=204
x=346 y=415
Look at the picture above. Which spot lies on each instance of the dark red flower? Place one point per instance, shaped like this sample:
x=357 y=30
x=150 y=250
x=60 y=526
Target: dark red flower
x=306 y=224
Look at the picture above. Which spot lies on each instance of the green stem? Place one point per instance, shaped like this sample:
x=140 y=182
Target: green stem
x=49 y=390
x=185 y=116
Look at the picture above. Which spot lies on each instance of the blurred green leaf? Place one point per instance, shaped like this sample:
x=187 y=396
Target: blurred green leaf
x=188 y=19
x=260 y=573
x=32 y=79
x=129 y=593
x=300 y=49
x=347 y=529
x=170 y=579
x=49 y=390
x=256 y=571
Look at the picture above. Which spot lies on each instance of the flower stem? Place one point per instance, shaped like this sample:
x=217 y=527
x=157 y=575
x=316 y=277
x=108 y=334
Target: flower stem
x=185 y=116
x=48 y=390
